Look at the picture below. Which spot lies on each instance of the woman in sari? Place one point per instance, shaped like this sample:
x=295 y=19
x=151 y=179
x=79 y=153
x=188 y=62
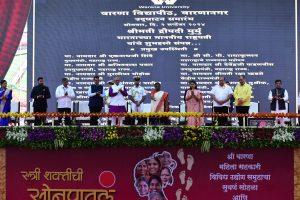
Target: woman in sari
x=5 y=100
x=159 y=103
x=159 y=99
x=194 y=103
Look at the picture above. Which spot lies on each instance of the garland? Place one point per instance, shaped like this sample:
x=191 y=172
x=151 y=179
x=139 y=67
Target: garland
x=148 y=114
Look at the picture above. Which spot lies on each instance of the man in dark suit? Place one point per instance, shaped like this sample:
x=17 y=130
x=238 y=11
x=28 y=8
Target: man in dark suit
x=96 y=95
x=40 y=93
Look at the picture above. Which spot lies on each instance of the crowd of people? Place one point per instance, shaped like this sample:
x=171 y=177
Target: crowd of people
x=115 y=98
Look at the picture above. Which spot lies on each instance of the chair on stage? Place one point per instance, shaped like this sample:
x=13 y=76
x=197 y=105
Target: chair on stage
x=29 y=120
x=15 y=108
x=147 y=107
x=254 y=107
x=82 y=107
x=182 y=109
x=287 y=110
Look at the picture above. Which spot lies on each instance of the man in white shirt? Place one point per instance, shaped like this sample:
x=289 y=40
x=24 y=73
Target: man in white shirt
x=117 y=93
x=137 y=95
x=221 y=94
x=278 y=96
x=64 y=95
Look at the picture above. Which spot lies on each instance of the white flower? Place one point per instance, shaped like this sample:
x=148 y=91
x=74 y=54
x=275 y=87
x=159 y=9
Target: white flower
x=153 y=133
x=283 y=135
x=19 y=134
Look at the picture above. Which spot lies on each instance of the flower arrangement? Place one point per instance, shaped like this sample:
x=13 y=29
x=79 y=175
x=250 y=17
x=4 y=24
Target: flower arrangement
x=93 y=134
x=65 y=134
x=60 y=138
x=41 y=134
x=173 y=133
x=226 y=135
x=190 y=134
x=139 y=136
x=283 y=135
x=111 y=133
x=16 y=133
x=263 y=133
x=152 y=133
x=297 y=134
x=246 y=134
x=130 y=132
x=198 y=135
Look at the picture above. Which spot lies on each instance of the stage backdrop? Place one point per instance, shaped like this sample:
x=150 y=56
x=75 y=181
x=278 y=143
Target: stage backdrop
x=124 y=173
x=169 y=41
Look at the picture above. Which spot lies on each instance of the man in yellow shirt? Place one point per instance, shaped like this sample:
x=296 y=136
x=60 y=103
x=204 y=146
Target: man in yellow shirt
x=242 y=94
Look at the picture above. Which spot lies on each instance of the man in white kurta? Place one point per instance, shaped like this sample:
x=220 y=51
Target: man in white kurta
x=221 y=94
x=117 y=93
x=64 y=95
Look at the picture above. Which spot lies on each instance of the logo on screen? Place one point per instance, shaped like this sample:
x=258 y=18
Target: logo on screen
x=167 y=2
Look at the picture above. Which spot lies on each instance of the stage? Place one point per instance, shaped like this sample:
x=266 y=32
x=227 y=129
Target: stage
x=77 y=162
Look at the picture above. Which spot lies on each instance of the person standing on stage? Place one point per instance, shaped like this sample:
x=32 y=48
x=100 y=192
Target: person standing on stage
x=159 y=99
x=64 y=95
x=242 y=94
x=137 y=95
x=5 y=102
x=40 y=93
x=159 y=103
x=117 y=93
x=194 y=103
x=96 y=95
x=221 y=95
x=278 y=96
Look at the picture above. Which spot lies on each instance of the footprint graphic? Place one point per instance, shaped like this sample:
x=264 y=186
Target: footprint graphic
x=182 y=177
x=178 y=194
x=184 y=197
x=189 y=183
x=180 y=155
x=190 y=162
